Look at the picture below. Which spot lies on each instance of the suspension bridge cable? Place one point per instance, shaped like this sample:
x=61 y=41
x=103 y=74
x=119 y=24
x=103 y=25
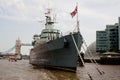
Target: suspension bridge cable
x=9 y=50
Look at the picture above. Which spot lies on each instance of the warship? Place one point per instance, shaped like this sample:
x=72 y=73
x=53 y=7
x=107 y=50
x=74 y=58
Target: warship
x=51 y=49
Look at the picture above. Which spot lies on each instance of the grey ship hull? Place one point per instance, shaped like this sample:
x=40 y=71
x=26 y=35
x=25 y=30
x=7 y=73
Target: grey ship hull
x=58 y=53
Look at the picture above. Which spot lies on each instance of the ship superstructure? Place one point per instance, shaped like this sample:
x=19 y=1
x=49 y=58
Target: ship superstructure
x=49 y=33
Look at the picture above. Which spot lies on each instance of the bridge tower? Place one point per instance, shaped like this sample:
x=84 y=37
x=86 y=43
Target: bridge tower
x=18 y=49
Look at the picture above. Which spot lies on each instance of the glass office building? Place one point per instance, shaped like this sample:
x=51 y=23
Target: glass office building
x=108 y=39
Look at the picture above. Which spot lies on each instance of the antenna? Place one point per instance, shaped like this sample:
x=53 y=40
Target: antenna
x=54 y=18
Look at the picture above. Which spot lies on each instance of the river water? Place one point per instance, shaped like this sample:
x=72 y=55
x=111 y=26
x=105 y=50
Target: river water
x=22 y=70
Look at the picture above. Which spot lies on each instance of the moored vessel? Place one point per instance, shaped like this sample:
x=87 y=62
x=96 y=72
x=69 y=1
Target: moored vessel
x=51 y=49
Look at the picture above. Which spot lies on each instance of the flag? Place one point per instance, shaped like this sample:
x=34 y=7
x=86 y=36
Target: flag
x=74 y=12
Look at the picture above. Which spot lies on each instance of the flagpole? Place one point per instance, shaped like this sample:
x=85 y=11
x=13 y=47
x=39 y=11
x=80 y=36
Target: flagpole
x=77 y=19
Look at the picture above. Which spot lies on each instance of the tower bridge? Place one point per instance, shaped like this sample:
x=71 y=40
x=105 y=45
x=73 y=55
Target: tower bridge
x=17 y=48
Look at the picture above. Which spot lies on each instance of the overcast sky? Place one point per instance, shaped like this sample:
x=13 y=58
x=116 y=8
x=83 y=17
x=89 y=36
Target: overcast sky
x=20 y=18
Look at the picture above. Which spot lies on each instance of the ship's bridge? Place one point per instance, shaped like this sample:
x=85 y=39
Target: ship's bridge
x=50 y=31
x=50 y=34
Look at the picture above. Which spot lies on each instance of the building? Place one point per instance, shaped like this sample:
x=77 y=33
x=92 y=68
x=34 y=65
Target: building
x=119 y=31
x=108 y=39
x=112 y=37
x=101 y=41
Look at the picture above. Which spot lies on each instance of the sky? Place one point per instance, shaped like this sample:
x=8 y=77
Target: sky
x=24 y=18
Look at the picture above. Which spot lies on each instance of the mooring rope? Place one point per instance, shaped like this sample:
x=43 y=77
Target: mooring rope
x=93 y=60
x=80 y=56
x=77 y=50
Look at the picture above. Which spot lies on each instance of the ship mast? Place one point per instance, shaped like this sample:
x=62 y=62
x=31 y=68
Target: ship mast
x=75 y=12
x=48 y=17
x=49 y=20
x=78 y=29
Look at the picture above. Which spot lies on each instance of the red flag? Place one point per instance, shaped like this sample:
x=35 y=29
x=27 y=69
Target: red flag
x=74 y=12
